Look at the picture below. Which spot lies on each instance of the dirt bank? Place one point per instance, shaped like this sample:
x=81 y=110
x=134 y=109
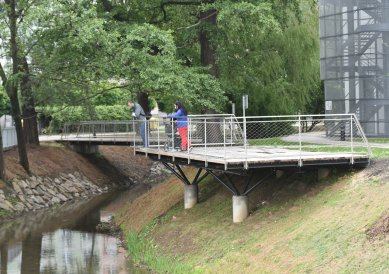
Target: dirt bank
x=296 y=224
x=59 y=175
x=50 y=159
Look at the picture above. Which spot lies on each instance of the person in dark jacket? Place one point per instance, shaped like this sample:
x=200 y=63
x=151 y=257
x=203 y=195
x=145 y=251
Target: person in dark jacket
x=181 y=116
x=139 y=114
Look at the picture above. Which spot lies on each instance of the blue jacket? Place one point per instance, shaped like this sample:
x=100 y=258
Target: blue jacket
x=181 y=118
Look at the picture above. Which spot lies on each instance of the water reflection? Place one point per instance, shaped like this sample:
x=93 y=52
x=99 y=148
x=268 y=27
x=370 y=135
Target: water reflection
x=64 y=251
x=63 y=240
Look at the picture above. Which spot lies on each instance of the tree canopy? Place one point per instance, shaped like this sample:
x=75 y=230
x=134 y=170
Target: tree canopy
x=94 y=55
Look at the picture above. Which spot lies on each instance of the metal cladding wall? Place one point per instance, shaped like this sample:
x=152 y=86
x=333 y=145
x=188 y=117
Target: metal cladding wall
x=354 y=54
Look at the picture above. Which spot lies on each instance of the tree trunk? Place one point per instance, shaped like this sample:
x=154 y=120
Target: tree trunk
x=31 y=254
x=207 y=52
x=2 y=167
x=22 y=148
x=143 y=100
x=30 y=123
x=11 y=86
x=4 y=258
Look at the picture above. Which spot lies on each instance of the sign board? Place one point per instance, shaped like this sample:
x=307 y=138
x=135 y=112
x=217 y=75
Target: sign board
x=245 y=101
x=328 y=105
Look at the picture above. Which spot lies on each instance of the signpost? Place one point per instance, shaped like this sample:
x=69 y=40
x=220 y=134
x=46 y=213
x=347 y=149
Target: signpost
x=245 y=105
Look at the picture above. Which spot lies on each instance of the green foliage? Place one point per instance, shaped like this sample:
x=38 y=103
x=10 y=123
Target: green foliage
x=141 y=57
x=5 y=105
x=86 y=54
x=61 y=115
x=277 y=67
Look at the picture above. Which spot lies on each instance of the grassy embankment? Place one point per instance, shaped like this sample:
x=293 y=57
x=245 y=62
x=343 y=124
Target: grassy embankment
x=296 y=225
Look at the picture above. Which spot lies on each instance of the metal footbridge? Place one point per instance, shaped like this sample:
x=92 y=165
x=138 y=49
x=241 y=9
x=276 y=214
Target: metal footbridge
x=225 y=145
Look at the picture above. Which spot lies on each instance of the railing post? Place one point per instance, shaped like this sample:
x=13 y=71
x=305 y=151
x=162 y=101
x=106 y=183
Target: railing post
x=114 y=131
x=190 y=130
x=173 y=134
x=231 y=125
x=134 y=133
x=351 y=139
x=147 y=133
x=245 y=143
x=300 y=145
x=188 y=137
x=224 y=141
x=158 y=138
x=205 y=142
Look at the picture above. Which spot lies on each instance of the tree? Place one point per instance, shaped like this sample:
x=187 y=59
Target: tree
x=141 y=57
x=250 y=46
x=275 y=62
x=11 y=82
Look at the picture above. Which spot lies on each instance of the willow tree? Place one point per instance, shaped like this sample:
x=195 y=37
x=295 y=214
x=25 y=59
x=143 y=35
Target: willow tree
x=276 y=62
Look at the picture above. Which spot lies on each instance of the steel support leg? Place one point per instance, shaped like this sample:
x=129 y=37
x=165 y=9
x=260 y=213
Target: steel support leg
x=191 y=187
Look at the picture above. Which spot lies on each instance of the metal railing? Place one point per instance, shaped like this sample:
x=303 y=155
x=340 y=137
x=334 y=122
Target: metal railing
x=226 y=136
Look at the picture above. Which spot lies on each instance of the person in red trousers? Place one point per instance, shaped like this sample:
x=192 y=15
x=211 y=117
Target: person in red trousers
x=181 y=116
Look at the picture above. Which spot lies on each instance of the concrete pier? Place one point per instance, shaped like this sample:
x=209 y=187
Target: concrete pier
x=240 y=208
x=323 y=173
x=190 y=196
x=85 y=148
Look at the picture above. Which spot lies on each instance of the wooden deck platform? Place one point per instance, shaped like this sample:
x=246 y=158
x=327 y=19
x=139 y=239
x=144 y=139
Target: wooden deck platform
x=230 y=157
x=235 y=157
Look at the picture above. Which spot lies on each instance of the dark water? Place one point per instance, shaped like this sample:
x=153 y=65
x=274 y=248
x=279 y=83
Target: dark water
x=65 y=240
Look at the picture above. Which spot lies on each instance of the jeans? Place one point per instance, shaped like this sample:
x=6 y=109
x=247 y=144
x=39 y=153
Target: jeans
x=144 y=132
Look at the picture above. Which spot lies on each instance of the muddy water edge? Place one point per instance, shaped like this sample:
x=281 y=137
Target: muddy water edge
x=72 y=238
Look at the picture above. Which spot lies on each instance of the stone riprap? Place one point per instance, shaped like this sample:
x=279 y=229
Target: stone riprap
x=40 y=192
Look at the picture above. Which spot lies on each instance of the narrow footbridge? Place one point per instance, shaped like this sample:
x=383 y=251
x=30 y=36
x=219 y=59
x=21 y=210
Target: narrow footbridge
x=225 y=145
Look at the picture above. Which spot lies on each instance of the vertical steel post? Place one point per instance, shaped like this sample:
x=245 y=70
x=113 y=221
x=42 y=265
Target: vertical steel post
x=173 y=134
x=205 y=142
x=188 y=137
x=351 y=139
x=224 y=142
x=300 y=145
x=231 y=131
x=134 y=133
x=158 y=139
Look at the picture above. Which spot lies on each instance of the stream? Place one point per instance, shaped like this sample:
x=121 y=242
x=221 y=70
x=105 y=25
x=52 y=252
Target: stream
x=65 y=239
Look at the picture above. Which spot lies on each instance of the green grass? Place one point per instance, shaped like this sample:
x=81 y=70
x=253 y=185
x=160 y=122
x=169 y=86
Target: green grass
x=3 y=213
x=379 y=152
x=378 y=140
x=144 y=251
x=314 y=231
x=276 y=141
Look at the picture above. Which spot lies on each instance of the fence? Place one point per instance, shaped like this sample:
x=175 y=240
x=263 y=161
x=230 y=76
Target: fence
x=9 y=137
x=314 y=133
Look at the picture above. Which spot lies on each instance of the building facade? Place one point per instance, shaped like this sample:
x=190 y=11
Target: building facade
x=354 y=54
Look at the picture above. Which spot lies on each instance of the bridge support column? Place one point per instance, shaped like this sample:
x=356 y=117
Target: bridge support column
x=279 y=173
x=190 y=196
x=240 y=208
x=191 y=191
x=240 y=201
x=323 y=173
x=86 y=148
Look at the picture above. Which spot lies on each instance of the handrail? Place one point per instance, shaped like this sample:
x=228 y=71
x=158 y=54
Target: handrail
x=218 y=136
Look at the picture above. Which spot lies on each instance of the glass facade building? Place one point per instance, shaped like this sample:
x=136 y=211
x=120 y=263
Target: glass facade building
x=354 y=54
